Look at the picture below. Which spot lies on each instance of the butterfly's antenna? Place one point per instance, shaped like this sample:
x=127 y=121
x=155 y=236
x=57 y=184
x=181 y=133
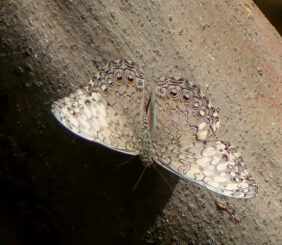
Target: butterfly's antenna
x=125 y=162
x=148 y=104
x=163 y=177
x=139 y=179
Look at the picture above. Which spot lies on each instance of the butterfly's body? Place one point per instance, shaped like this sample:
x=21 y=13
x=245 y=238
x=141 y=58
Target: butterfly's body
x=145 y=144
x=171 y=129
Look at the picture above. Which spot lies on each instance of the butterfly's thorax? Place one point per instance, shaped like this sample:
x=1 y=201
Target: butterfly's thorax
x=145 y=142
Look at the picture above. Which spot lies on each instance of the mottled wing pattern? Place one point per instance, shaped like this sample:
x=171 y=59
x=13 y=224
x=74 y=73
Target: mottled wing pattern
x=187 y=112
x=181 y=120
x=109 y=110
x=213 y=164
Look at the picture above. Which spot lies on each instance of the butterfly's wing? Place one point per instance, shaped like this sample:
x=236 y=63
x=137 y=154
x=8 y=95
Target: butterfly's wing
x=109 y=109
x=181 y=119
x=212 y=164
x=187 y=112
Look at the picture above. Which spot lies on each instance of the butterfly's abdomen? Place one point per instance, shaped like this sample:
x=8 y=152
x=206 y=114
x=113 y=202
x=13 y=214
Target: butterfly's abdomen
x=145 y=142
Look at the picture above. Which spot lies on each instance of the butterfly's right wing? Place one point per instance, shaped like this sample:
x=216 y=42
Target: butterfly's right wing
x=212 y=164
x=179 y=112
x=109 y=110
x=181 y=120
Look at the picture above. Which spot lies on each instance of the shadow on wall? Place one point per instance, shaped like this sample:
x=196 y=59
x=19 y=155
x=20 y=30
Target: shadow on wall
x=272 y=9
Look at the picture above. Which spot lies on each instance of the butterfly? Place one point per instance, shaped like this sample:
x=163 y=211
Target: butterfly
x=172 y=128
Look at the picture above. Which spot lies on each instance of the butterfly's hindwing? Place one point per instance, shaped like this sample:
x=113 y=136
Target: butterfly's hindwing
x=212 y=164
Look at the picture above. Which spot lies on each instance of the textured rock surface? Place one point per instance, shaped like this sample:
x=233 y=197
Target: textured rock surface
x=59 y=189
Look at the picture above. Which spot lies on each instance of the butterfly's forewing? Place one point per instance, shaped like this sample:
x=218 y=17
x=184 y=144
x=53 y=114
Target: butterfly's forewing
x=109 y=109
x=180 y=125
x=181 y=112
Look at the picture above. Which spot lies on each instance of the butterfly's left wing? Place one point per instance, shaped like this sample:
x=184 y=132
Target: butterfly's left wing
x=109 y=110
x=181 y=119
